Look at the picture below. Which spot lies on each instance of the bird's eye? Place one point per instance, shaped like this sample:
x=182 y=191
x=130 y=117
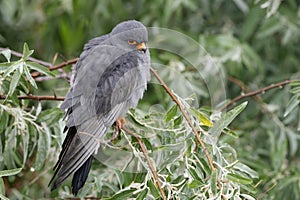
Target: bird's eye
x=132 y=42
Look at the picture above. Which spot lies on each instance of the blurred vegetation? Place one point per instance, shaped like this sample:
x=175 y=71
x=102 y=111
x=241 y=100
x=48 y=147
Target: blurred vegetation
x=252 y=44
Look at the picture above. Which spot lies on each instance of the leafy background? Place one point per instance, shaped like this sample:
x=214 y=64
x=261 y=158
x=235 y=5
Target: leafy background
x=254 y=44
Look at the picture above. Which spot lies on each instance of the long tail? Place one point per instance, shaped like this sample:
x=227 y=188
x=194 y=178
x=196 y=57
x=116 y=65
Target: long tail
x=74 y=153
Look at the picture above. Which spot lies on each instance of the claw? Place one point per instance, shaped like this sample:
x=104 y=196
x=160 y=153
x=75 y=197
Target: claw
x=120 y=122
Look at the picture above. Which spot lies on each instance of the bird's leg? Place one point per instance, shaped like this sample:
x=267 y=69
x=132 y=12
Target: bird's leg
x=120 y=122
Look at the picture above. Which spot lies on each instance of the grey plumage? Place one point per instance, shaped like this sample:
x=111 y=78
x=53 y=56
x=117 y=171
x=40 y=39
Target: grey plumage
x=111 y=76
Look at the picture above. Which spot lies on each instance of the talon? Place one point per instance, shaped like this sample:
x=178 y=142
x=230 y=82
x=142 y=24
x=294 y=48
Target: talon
x=120 y=122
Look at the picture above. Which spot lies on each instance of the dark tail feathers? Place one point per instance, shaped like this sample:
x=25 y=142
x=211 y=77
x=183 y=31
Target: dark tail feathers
x=81 y=175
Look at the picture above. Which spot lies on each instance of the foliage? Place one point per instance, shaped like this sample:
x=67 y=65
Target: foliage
x=248 y=45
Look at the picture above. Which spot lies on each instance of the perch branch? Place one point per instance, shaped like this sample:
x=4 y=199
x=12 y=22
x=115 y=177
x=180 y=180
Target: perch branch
x=185 y=115
x=144 y=150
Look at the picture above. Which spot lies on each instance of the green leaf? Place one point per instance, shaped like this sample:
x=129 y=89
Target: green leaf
x=195 y=174
x=3 y=120
x=295 y=90
x=195 y=184
x=2 y=186
x=292 y=104
x=171 y=113
x=226 y=119
x=177 y=121
x=39 y=68
x=244 y=168
x=11 y=67
x=25 y=140
x=26 y=52
x=7 y=54
x=10 y=172
x=153 y=189
x=14 y=82
x=142 y=194
x=29 y=77
x=231 y=133
x=42 y=150
x=122 y=195
x=50 y=116
x=201 y=117
x=238 y=179
x=4 y=66
x=213 y=182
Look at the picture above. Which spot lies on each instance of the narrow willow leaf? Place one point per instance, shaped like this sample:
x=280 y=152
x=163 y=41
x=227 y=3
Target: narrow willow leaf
x=195 y=184
x=249 y=188
x=195 y=174
x=295 y=83
x=142 y=195
x=10 y=172
x=29 y=77
x=3 y=120
x=50 y=116
x=14 y=82
x=153 y=189
x=244 y=168
x=2 y=186
x=292 y=104
x=230 y=132
x=213 y=182
x=41 y=151
x=171 y=113
x=201 y=117
x=226 y=119
x=7 y=54
x=4 y=66
x=124 y=194
x=205 y=165
x=239 y=179
x=11 y=67
x=295 y=90
x=25 y=139
x=288 y=181
x=293 y=138
x=39 y=68
x=26 y=52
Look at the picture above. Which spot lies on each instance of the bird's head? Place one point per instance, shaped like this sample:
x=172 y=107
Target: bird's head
x=130 y=35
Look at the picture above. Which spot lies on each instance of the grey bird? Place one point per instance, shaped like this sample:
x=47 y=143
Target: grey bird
x=111 y=76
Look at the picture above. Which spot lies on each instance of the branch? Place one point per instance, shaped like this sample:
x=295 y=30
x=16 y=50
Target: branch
x=144 y=150
x=185 y=115
x=37 y=98
x=47 y=78
x=55 y=67
x=15 y=53
x=260 y=91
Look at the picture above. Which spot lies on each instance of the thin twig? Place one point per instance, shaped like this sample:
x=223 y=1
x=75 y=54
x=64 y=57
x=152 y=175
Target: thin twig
x=47 y=78
x=185 y=115
x=15 y=53
x=55 y=67
x=260 y=91
x=144 y=150
x=37 y=98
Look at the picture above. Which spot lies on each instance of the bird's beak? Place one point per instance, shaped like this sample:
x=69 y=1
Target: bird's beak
x=142 y=47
